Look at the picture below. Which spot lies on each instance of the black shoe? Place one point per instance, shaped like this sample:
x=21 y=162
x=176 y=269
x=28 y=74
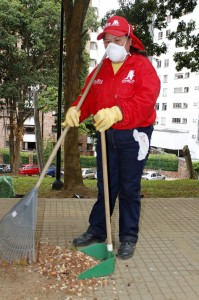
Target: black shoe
x=126 y=250
x=86 y=239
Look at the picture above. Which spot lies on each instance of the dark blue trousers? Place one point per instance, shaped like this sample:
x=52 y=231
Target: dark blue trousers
x=124 y=173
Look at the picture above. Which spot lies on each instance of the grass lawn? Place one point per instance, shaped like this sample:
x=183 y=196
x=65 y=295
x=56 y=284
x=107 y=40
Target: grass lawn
x=185 y=188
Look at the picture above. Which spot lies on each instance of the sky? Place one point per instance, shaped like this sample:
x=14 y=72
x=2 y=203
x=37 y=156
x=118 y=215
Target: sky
x=106 y=5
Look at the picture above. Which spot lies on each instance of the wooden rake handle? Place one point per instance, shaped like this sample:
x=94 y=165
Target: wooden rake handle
x=106 y=192
x=66 y=129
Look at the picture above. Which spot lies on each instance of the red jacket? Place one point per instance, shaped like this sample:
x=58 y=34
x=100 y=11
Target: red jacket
x=134 y=88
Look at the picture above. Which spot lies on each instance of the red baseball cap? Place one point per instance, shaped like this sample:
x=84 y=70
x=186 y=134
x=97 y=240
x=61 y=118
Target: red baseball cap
x=119 y=26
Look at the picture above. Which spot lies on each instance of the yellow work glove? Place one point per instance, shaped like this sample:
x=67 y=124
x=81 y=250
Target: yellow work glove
x=72 y=117
x=106 y=117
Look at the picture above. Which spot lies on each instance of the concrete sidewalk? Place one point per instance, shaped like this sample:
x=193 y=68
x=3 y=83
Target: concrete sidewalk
x=166 y=261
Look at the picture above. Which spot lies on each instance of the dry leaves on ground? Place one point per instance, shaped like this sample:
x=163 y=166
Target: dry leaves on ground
x=61 y=266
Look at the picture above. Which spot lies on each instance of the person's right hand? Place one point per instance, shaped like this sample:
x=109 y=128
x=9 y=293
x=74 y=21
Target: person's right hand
x=72 y=117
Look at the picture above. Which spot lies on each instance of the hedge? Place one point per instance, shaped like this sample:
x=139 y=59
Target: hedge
x=88 y=161
x=166 y=162
x=196 y=166
x=24 y=156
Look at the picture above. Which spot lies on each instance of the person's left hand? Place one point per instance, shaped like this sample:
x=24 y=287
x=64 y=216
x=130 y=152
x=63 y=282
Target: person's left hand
x=106 y=117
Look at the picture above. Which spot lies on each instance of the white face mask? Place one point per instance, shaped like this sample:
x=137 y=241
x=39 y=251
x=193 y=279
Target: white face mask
x=116 y=53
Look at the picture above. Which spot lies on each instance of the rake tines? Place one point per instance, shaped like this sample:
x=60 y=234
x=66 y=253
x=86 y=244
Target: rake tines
x=17 y=230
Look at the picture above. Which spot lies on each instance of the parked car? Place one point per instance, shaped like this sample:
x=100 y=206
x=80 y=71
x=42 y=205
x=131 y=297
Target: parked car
x=5 y=168
x=88 y=173
x=29 y=169
x=153 y=176
x=52 y=171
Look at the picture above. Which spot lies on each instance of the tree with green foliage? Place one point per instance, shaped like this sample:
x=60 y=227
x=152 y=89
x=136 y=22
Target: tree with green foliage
x=147 y=15
x=28 y=57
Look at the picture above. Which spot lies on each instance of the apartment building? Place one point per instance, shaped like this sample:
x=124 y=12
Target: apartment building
x=177 y=122
x=48 y=131
x=92 y=45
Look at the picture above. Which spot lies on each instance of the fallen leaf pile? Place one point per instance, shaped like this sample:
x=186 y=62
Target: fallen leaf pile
x=61 y=266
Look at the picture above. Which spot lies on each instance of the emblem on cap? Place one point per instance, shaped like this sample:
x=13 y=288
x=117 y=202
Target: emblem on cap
x=114 y=23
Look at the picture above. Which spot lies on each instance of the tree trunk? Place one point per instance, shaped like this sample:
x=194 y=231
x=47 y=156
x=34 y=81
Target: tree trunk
x=187 y=156
x=15 y=138
x=17 y=147
x=39 y=143
x=74 y=18
x=11 y=140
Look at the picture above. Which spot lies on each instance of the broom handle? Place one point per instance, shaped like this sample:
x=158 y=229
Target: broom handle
x=66 y=129
x=106 y=192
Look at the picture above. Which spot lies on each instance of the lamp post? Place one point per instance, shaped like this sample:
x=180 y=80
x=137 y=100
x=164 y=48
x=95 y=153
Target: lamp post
x=58 y=184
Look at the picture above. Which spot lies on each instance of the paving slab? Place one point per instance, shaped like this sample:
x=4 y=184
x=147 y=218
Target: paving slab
x=165 y=265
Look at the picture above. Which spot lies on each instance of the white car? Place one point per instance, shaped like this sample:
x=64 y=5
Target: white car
x=88 y=173
x=153 y=176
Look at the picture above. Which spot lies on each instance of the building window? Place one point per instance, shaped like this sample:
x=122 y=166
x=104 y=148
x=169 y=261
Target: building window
x=96 y=11
x=166 y=63
x=196 y=87
x=177 y=90
x=186 y=90
x=186 y=75
x=54 y=128
x=168 y=19
x=89 y=147
x=181 y=90
x=182 y=75
x=177 y=105
x=164 y=106
x=93 y=45
x=159 y=64
x=178 y=76
x=165 y=78
x=160 y=35
x=164 y=92
x=180 y=105
x=163 y=121
x=157 y=106
x=193 y=136
x=29 y=129
x=176 y=120
x=168 y=32
x=93 y=63
x=179 y=120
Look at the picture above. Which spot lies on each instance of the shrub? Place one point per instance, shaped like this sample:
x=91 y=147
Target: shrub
x=196 y=167
x=88 y=161
x=166 y=162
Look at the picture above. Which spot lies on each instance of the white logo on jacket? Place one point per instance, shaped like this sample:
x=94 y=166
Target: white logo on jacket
x=129 y=77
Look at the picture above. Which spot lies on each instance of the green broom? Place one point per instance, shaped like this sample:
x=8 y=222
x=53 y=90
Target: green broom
x=17 y=227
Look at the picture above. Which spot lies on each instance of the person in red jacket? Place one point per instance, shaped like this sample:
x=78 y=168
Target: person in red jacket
x=122 y=100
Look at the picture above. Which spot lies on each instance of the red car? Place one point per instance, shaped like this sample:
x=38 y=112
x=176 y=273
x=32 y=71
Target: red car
x=29 y=169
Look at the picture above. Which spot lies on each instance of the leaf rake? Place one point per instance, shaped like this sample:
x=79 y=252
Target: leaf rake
x=17 y=227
